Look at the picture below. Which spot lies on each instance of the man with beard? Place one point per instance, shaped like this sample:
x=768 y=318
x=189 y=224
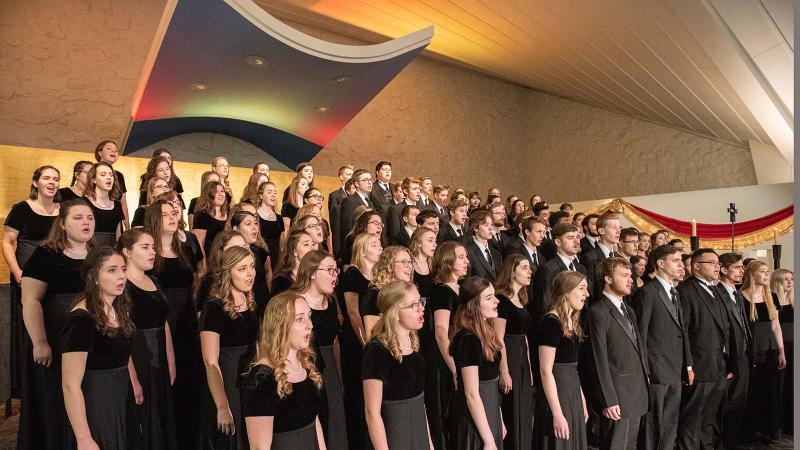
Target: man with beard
x=590 y=237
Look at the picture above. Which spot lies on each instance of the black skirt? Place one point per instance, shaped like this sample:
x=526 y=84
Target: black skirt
x=302 y=438
x=518 y=403
x=232 y=363
x=439 y=387
x=569 y=398
x=105 y=394
x=335 y=429
x=463 y=434
x=43 y=420
x=353 y=389
x=405 y=424
x=18 y=335
x=765 y=396
x=186 y=389
x=154 y=418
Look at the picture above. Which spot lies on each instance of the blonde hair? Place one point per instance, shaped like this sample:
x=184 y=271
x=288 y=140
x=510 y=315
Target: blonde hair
x=776 y=284
x=359 y=249
x=390 y=301
x=749 y=286
x=415 y=246
x=222 y=287
x=383 y=271
x=273 y=342
x=563 y=284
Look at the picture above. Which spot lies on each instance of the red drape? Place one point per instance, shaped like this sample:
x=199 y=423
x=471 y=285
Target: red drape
x=714 y=230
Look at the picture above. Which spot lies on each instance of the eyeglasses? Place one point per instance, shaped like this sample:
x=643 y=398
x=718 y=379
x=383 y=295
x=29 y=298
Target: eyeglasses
x=313 y=226
x=365 y=180
x=377 y=223
x=332 y=271
x=629 y=242
x=713 y=263
x=317 y=196
x=416 y=305
x=405 y=262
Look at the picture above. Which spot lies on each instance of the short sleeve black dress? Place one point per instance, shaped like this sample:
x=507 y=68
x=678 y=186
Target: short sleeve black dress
x=402 y=403
x=765 y=397
x=518 y=403
x=294 y=423
x=237 y=345
x=106 y=223
x=106 y=381
x=271 y=231
x=368 y=302
x=260 y=289
x=439 y=386
x=204 y=221
x=332 y=416
x=289 y=211
x=467 y=350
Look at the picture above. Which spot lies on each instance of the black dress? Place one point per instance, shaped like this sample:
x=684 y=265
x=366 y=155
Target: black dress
x=66 y=194
x=347 y=248
x=352 y=281
x=138 y=216
x=106 y=380
x=281 y=283
x=568 y=386
x=439 y=385
x=204 y=221
x=765 y=402
x=786 y=316
x=368 y=302
x=271 y=231
x=294 y=416
x=518 y=403
x=154 y=419
x=332 y=417
x=106 y=223
x=31 y=229
x=402 y=403
x=467 y=351
x=260 y=288
x=289 y=211
x=237 y=346
x=176 y=278
x=43 y=420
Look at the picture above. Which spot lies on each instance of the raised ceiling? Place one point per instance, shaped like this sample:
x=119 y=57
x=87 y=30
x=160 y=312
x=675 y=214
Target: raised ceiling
x=643 y=58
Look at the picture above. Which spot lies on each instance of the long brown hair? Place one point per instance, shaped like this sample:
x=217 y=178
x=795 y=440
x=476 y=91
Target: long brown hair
x=205 y=203
x=38 y=174
x=94 y=297
x=444 y=259
x=150 y=172
x=273 y=343
x=114 y=194
x=222 y=286
x=251 y=190
x=287 y=257
x=153 y=223
x=308 y=267
x=503 y=285
x=57 y=237
x=749 y=287
x=468 y=317
x=563 y=284
x=294 y=189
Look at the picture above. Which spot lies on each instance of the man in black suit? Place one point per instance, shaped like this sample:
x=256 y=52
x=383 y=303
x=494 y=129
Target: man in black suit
x=609 y=230
x=548 y=248
x=403 y=235
x=619 y=358
x=705 y=318
x=527 y=244
x=484 y=260
x=565 y=237
x=335 y=199
x=381 y=193
x=426 y=192
x=454 y=229
x=363 y=182
x=394 y=222
x=658 y=315
x=428 y=219
x=590 y=235
x=439 y=203
x=499 y=238
x=731 y=271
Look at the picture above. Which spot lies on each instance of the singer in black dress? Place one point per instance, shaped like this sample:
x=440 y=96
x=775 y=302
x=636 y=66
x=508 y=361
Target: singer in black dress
x=228 y=334
x=210 y=214
x=271 y=223
x=52 y=283
x=96 y=350
x=102 y=194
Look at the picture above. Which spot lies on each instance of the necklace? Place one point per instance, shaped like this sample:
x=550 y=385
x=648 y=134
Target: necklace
x=312 y=303
x=405 y=349
x=290 y=371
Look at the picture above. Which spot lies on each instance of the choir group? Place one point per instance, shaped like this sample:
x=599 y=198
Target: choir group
x=416 y=317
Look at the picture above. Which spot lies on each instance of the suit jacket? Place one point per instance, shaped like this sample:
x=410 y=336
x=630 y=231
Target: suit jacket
x=444 y=215
x=741 y=339
x=548 y=249
x=479 y=265
x=705 y=319
x=500 y=245
x=542 y=284
x=586 y=245
x=381 y=198
x=400 y=238
x=591 y=260
x=662 y=333
x=349 y=206
x=394 y=218
x=446 y=233
x=335 y=215
x=515 y=246
x=619 y=358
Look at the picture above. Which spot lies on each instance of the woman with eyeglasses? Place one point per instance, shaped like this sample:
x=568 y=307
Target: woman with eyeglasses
x=393 y=372
x=77 y=187
x=245 y=223
x=175 y=268
x=102 y=193
x=368 y=222
x=450 y=264
x=222 y=168
x=155 y=187
x=298 y=244
x=270 y=222
x=166 y=154
x=315 y=209
x=355 y=281
x=395 y=263
x=316 y=282
x=312 y=226
x=511 y=326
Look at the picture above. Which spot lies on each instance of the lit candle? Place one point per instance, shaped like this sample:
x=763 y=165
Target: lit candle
x=694 y=227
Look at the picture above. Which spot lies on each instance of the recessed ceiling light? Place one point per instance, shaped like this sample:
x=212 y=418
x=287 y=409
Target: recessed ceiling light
x=341 y=79
x=200 y=87
x=257 y=61
x=323 y=109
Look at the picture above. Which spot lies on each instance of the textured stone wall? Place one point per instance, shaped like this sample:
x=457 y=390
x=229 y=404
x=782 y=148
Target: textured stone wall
x=69 y=70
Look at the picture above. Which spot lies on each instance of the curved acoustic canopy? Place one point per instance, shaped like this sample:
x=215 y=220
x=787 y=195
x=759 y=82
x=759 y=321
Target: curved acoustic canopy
x=229 y=67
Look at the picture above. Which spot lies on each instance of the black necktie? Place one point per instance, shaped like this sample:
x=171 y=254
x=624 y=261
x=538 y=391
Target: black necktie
x=612 y=254
x=535 y=258
x=459 y=233
x=572 y=266
x=673 y=294
x=627 y=317
x=489 y=258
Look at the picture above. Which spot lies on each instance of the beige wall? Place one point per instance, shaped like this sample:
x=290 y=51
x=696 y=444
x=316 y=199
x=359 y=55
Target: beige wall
x=69 y=70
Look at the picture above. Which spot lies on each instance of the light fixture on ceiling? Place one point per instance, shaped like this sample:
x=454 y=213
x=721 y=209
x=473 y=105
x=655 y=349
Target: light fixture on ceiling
x=323 y=109
x=200 y=87
x=257 y=61
x=341 y=79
